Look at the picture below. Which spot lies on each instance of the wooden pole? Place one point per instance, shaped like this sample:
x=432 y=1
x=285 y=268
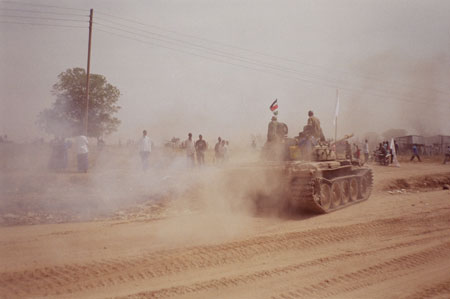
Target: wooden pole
x=88 y=69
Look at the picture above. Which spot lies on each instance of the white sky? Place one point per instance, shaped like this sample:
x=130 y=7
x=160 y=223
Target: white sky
x=389 y=59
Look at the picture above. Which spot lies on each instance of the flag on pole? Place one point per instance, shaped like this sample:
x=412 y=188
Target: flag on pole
x=336 y=112
x=394 y=154
x=274 y=105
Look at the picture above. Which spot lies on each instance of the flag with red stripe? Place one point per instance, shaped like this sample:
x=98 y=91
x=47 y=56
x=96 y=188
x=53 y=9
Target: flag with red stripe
x=274 y=105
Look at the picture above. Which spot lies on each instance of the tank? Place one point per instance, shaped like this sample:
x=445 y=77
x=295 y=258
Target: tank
x=298 y=178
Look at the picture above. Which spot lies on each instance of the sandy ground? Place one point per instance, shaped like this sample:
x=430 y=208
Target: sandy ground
x=395 y=245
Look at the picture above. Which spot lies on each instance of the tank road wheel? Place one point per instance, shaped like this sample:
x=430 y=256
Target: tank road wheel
x=336 y=194
x=353 y=189
x=325 y=196
x=345 y=187
x=365 y=186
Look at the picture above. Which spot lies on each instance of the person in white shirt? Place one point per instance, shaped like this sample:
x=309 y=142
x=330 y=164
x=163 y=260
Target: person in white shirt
x=190 y=150
x=366 y=151
x=82 y=153
x=145 y=148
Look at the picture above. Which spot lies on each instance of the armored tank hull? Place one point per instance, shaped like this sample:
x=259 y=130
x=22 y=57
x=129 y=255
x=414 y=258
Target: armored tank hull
x=296 y=186
x=323 y=187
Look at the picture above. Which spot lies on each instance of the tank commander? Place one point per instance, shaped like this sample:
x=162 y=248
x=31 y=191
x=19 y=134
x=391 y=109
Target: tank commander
x=314 y=122
x=272 y=130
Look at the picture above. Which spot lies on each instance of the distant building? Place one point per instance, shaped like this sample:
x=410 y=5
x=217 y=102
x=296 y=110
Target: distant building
x=433 y=145
x=405 y=143
x=436 y=145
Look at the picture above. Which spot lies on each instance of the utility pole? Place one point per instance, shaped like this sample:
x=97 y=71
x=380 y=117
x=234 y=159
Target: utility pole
x=88 y=69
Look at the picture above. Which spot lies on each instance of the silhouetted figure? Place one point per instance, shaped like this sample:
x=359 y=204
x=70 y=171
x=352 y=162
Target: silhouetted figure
x=190 y=150
x=415 y=153
x=145 y=148
x=82 y=153
x=200 y=148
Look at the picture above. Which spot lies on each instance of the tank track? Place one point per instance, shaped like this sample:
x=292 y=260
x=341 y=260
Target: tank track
x=321 y=195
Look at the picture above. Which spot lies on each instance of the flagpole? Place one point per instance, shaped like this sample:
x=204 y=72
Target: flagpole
x=335 y=127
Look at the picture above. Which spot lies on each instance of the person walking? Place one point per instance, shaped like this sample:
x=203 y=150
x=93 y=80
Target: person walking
x=366 y=151
x=218 y=150
x=82 y=153
x=200 y=148
x=145 y=148
x=415 y=153
x=190 y=150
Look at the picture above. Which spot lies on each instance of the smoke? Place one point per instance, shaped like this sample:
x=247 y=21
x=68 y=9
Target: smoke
x=204 y=203
x=397 y=92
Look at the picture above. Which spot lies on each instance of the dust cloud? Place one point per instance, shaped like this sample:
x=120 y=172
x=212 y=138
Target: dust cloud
x=203 y=203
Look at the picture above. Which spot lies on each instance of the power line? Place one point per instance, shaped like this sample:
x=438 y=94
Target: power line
x=383 y=97
x=41 y=5
x=207 y=49
x=41 y=18
x=393 y=84
x=41 y=24
x=265 y=65
x=168 y=39
x=255 y=64
x=42 y=12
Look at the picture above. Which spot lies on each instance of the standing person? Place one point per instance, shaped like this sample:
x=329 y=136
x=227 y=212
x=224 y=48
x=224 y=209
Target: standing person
x=190 y=150
x=314 y=122
x=447 y=155
x=272 y=130
x=396 y=147
x=218 y=150
x=200 y=148
x=366 y=151
x=348 y=150
x=415 y=153
x=82 y=153
x=357 y=152
x=145 y=148
x=224 y=150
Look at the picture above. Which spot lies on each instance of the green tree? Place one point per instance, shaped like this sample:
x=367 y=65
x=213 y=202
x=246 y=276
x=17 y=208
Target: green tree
x=65 y=117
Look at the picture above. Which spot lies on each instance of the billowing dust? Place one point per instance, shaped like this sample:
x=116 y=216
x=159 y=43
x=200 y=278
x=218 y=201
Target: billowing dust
x=210 y=202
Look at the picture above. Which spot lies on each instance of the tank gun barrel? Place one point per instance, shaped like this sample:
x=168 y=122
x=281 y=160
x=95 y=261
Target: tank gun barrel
x=342 y=139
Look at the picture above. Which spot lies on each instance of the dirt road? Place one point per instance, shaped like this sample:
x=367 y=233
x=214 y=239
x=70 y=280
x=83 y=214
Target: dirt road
x=395 y=245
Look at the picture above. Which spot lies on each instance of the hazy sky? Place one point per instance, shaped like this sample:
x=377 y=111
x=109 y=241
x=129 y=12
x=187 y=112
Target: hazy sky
x=214 y=67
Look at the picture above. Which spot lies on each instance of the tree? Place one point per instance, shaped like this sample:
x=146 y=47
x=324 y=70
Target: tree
x=65 y=117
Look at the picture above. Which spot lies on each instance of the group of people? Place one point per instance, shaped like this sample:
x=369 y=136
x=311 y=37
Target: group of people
x=221 y=150
x=385 y=154
x=275 y=148
x=59 y=154
x=356 y=152
x=195 y=150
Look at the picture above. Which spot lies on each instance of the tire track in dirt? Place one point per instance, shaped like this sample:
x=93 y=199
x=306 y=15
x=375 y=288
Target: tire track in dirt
x=216 y=284
x=438 y=289
x=75 y=277
x=370 y=275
